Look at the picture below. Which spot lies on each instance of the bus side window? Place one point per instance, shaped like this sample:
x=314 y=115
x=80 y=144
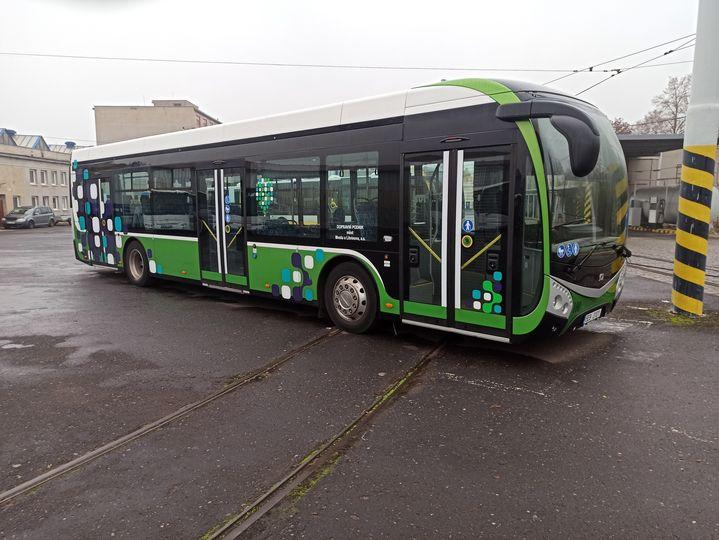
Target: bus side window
x=128 y=195
x=531 y=243
x=283 y=197
x=352 y=196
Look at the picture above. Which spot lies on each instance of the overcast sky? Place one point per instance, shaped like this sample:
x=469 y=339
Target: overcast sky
x=54 y=97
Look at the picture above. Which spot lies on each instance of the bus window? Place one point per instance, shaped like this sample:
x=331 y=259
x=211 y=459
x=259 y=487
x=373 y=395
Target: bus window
x=132 y=200
x=485 y=179
x=531 y=244
x=172 y=200
x=283 y=197
x=352 y=196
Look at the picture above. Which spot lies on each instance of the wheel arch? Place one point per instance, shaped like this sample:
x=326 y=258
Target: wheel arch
x=333 y=263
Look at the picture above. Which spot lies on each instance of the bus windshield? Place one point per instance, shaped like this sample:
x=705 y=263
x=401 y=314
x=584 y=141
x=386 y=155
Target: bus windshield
x=587 y=210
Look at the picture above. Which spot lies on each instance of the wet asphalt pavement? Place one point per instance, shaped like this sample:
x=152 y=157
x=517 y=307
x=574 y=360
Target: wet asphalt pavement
x=614 y=431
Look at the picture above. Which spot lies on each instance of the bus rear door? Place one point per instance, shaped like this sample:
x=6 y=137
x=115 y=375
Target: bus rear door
x=221 y=227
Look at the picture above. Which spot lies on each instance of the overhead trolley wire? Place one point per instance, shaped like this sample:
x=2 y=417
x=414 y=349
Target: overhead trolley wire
x=275 y=64
x=567 y=72
x=640 y=64
x=592 y=68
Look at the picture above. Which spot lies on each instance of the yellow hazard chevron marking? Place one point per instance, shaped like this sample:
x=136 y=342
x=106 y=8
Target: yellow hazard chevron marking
x=694 y=210
x=621 y=187
x=686 y=303
x=706 y=150
x=587 y=203
x=697 y=177
x=692 y=242
x=689 y=273
x=622 y=212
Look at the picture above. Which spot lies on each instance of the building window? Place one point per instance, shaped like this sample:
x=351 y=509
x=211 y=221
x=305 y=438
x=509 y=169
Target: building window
x=54 y=178
x=283 y=197
x=17 y=201
x=63 y=178
x=35 y=200
x=65 y=203
x=46 y=200
x=43 y=178
x=352 y=196
x=55 y=203
x=33 y=177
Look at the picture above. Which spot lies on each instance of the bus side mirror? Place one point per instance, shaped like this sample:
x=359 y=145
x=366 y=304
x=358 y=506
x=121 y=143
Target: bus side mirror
x=583 y=143
x=575 y=125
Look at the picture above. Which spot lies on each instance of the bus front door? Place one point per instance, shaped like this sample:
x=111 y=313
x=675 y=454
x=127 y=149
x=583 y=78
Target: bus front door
x=221 y=227
x=457 y=224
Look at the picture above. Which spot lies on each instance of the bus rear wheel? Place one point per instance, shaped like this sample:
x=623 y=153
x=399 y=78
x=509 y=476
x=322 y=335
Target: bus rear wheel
x=137 y=266
x=350 y=298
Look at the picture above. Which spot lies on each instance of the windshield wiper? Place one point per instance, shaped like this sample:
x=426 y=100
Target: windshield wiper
x=621 y=250
x=573 y=222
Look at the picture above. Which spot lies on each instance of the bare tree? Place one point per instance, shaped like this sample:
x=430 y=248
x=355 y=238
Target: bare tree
x=621 y=126
x=670 y=108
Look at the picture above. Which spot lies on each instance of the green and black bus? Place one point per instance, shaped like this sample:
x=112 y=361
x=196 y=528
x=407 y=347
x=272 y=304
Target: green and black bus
x=488 y=208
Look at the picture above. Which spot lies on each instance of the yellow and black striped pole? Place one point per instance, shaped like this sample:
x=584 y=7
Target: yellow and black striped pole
x=693 y=221
x=697 y=181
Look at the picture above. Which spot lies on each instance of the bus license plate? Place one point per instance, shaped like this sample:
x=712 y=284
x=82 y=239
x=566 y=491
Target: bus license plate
x=593 y=316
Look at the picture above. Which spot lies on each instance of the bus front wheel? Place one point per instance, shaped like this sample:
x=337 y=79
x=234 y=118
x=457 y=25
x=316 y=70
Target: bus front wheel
x=350 y=298
x=137 y=266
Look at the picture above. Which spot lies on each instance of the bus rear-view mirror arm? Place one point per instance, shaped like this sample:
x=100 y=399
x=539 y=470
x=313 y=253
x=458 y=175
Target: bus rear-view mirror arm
x=573 y=123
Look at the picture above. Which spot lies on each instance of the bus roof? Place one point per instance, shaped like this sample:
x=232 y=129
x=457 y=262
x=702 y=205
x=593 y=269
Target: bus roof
x=422 y=99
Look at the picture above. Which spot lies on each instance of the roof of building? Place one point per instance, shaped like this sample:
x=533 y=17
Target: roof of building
x=650 y=145
x=9 y=137
x=62 y=148
x=36 y=142
x=162 y=103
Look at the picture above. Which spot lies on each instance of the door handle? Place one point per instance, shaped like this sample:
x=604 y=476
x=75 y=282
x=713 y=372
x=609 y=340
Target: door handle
x=492 y=262
x=413 y=256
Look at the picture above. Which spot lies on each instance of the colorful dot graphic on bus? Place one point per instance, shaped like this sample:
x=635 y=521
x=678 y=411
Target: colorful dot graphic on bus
x=264 y=194
x=296 y=282
x=488 y=299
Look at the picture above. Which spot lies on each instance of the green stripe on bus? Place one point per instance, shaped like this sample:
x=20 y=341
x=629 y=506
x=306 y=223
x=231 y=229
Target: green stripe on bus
x=480 y=318
x=237 y=280
x=425 y=310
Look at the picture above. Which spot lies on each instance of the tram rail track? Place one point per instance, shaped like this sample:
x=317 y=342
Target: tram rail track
x=711 y=271
x=236 y=383
x=317 y=459
x=651 y=264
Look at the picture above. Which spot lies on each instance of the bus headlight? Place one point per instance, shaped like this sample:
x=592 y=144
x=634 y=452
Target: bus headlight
x=560 y=300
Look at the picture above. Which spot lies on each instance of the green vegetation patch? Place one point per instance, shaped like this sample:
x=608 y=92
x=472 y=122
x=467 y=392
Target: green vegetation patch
x=666 y=316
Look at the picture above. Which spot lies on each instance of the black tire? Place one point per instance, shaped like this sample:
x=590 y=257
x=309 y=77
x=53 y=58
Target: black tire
x=137 y=265
x=350 y=298
x=50 y=223
x=31 y=224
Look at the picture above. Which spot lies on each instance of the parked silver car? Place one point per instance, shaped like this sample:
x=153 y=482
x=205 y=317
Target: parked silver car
x=29 y=217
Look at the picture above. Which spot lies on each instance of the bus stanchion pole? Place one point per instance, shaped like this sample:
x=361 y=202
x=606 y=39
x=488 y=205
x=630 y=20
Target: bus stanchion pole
x=698 y=163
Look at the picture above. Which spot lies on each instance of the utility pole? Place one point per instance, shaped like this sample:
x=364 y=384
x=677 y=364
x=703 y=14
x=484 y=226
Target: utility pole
x=698 y=163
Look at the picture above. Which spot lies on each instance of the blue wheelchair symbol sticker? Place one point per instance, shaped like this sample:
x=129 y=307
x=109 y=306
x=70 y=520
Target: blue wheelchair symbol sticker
x=467 y=225
x=227 y=199
x=560 y=252
x=227 y=218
